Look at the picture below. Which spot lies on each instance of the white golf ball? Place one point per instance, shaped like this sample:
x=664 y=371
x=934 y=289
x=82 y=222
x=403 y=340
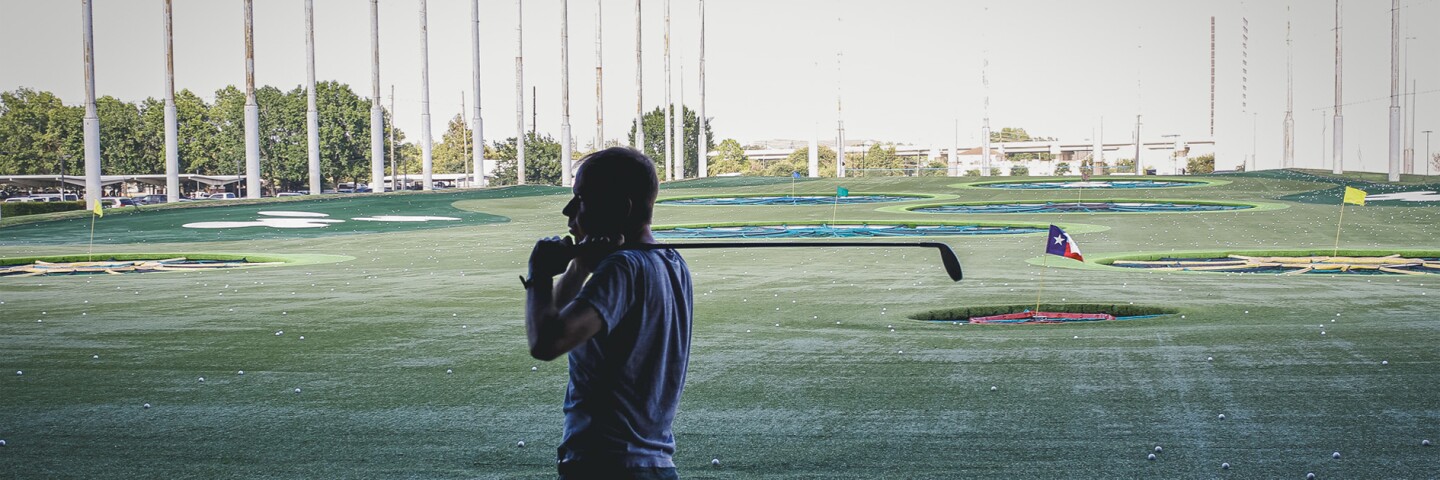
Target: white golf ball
x=297 y=390
x=1384 y=362
x=449 y=371
x=2 y=443
x=1209 y=359
x=713 y=462
x=1225 y=466
x=146 y=405
x=1335 y=455
x=302 y=337
x=202 y=379
x=994 y=388
x=1151 y=457
x=520 y=444
x=279 y=333
x=97 y=357
x=1310 y=476
x=1425 y=443
x=19 y=372
x=1222 y=416
x=534 y=368
x=1158 y=449
x=242 y=372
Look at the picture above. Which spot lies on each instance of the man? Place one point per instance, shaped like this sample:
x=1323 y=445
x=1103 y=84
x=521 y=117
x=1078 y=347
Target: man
x=626 y=328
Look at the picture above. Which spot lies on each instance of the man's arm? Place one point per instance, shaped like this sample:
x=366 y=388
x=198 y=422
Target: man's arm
x=553 y=331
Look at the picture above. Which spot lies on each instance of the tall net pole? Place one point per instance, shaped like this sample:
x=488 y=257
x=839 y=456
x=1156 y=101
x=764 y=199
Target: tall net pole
x=704 y=160
x=477 y=125
x=519 y=93
x=252 y=109
x=427 y=148
x=172 y=142
x=599 y=79
x=92 y=119
x=1338 y=166
x=565 y=144
x=639 y=85
x=1394 y=175
x=669 y=105
x=312 y=116
x=1288 y=161
x=377 y=114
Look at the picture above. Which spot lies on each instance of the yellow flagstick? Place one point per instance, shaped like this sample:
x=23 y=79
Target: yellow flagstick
x=1045 y=265
x=1337 y=230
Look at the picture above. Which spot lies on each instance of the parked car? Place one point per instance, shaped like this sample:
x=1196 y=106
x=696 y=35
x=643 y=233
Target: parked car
x=289 y=194
x=19 y=200
x=55 y=197
x=112 y=202
x=222 y=196
x=150 y=199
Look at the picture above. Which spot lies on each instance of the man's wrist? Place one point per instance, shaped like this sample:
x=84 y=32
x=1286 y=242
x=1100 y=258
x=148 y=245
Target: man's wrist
x=533 y=282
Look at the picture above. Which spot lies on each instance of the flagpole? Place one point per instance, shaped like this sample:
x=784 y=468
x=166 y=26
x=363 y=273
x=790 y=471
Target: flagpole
x=835 y=210
x=1337 y=230
x=1045 y=265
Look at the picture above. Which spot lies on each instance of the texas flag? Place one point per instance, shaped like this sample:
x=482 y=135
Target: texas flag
x=1059 y=243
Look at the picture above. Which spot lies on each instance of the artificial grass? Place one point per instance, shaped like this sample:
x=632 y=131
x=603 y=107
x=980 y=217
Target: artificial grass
x=809 y=398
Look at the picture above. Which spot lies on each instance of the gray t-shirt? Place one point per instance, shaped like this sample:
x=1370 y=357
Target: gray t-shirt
x=625 y=382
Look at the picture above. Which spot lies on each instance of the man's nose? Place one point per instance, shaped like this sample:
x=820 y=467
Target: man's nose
x=570 y=208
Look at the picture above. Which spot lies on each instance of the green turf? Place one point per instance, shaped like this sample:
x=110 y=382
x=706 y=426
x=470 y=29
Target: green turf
x=809 y=398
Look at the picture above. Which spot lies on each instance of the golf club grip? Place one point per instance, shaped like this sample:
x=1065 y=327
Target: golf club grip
x=947 y=256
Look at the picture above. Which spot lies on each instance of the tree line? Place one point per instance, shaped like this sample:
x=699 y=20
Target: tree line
x=40 y=135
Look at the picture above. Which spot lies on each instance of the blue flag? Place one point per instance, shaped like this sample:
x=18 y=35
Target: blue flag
x=794 y=174
x=842 y=192
x=1059 y=243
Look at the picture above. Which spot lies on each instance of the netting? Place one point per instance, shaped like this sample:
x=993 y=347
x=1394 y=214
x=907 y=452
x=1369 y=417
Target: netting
x=840 y=231
x=1080 y=207
x=787 y=200
x=118 y=267
x=1393 y=264
x=1110 y=184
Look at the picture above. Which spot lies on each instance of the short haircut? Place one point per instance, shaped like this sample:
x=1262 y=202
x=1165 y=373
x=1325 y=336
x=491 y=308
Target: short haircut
x=623 y=173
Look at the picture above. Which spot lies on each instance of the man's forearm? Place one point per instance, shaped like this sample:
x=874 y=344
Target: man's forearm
x=540 y=310
x=569 y=285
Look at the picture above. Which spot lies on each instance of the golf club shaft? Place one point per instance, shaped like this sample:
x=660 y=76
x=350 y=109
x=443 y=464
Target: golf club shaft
x=947 y=256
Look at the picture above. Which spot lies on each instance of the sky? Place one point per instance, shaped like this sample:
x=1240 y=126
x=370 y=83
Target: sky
x=909 y=71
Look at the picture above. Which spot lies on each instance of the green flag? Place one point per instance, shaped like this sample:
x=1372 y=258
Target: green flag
x=842 y=192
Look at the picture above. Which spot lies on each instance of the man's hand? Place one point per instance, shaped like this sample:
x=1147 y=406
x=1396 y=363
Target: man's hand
x=550 y=257
x=592 y=250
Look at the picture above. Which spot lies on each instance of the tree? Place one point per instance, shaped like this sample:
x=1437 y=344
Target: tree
x=1435 y=161
x=730 y=158
x=1201 y=165
x=1062 y=168
x=452 y=154
x=37 y=132
x=344 y=120
x=881 y=160
x=654 y=122
x=799 y=161
x=1019 y=170
x=1009 y=134
x=542 y=160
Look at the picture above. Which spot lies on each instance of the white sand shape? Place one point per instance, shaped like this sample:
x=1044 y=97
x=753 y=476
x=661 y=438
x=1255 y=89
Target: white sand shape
x=1420 y=196
x=404 y=218
x=268 y=222
x=289 y=213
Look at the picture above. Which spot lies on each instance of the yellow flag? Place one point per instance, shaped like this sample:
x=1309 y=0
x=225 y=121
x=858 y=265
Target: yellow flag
x=99 y=211
x=1354 y=196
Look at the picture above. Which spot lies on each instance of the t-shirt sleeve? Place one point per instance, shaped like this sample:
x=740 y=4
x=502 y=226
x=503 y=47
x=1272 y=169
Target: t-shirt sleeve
x=610 y=290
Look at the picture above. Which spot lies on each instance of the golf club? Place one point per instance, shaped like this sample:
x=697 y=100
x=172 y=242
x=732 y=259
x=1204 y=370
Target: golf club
x=947 y=256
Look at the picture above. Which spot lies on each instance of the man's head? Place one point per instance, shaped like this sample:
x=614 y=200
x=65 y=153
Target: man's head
x=615 y=193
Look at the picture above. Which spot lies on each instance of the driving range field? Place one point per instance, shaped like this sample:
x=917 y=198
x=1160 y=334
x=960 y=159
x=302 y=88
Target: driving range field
x=395 y=348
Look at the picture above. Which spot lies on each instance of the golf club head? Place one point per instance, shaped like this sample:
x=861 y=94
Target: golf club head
x=948 y=258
